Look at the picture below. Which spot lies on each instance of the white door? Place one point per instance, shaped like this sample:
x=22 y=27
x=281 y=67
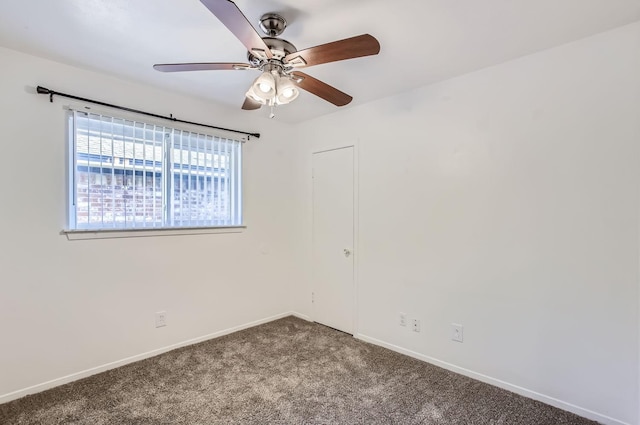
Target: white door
x=333 y=215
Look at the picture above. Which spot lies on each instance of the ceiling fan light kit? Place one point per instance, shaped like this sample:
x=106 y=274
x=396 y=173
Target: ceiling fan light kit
x=278 y=60
x=272 y=90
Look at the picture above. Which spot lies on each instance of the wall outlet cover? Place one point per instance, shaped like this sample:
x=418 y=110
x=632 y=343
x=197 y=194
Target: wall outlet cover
x=415 y=324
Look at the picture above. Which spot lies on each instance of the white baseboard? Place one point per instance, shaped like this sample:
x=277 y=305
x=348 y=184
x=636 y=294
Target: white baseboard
x=585 y=413
x=301 y=316
x=98 y=369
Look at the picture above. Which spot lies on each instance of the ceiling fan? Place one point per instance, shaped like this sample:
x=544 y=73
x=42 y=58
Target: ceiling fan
x=277 y=59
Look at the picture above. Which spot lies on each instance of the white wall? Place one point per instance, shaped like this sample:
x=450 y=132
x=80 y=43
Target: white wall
x=66 y=307
x=505 y=200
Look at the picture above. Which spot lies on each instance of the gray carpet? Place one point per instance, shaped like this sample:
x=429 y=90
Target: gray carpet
x=285 y=372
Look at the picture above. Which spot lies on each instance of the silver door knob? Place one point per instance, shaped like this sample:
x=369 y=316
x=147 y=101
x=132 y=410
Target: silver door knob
x=347 y=252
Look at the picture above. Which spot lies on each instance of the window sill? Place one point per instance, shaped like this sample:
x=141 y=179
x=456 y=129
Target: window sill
x=84 y=234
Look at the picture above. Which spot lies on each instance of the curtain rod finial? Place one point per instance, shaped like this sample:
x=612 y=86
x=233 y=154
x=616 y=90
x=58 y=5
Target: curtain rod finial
x=44 y=90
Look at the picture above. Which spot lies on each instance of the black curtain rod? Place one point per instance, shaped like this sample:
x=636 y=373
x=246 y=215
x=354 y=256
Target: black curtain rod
x=51 y=93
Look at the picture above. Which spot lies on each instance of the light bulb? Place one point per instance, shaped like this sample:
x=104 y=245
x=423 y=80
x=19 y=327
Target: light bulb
x=264 y=87
x=287 y=93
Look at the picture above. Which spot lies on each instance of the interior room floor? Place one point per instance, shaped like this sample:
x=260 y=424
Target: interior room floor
x=289 y=371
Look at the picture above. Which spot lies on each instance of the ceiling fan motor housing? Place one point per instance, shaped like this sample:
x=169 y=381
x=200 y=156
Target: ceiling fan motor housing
x=279 y=48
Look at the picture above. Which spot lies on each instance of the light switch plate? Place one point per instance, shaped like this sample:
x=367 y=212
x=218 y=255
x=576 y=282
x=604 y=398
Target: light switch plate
x=456 y=332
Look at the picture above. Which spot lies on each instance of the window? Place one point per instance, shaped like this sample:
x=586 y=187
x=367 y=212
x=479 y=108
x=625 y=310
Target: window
x=128 y=174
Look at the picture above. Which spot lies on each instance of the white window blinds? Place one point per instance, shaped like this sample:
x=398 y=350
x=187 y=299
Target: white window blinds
x=131 y=174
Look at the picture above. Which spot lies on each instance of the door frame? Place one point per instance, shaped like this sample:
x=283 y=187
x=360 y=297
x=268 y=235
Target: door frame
x=356 y=227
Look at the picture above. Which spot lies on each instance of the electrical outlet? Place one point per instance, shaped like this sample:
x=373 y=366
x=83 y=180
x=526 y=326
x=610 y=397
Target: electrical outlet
x=456 y=334
x=161 y=319
x=403 y=319
x=415 y=325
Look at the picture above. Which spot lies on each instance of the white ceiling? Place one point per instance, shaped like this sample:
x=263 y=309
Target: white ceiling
x=422 y=41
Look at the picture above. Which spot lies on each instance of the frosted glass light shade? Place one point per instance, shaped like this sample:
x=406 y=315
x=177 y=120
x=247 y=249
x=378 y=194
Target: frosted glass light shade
x=287 y=91
x=264 y=87
x=251 y=94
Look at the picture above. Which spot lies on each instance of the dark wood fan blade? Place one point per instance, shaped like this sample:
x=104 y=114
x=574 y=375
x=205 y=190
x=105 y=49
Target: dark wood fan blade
x=349 y=48
x=203 y=66
x=320 y=89
x=250 y=104
x=234 y=19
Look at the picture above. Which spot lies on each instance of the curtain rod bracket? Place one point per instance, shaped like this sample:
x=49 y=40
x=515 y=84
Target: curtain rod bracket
x=51 y=93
